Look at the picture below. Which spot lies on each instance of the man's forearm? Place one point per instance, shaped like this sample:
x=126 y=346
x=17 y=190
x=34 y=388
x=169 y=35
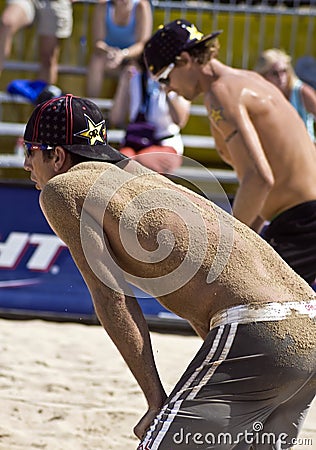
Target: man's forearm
x=246 y=209
x=124 y=322
x=249 y=201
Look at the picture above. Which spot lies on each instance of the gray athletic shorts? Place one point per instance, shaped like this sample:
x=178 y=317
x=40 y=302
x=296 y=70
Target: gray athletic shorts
x=54 y=17
x=248 y=387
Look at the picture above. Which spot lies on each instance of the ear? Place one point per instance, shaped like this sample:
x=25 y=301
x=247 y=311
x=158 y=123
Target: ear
x=185 y=58
x=60 y=158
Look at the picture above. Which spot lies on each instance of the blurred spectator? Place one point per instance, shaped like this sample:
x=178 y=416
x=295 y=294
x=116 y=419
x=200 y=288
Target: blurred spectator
x=121 y=28
x=275 y=65
x=53 y=21
x=139 y=97
x=305 y=69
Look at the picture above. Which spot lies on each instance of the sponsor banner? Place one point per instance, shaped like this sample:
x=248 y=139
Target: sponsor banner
x=38 y=277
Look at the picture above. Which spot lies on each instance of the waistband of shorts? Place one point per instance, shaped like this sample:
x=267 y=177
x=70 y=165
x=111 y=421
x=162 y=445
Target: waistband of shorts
x=294 y=211
x=262 y=313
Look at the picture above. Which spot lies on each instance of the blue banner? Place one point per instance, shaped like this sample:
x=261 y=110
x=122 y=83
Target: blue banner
x=38 y=277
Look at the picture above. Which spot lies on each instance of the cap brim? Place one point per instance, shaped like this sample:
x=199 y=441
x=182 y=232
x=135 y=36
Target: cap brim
x=188 y=46
x=99 y=152
x=208 y=37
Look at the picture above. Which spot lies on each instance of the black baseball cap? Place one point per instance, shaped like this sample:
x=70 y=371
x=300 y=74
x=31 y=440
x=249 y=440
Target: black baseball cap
x=75 y=123
x=170 y=40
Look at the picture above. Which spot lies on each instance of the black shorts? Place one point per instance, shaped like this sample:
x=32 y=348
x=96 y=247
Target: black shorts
x=249 y=386
x=292 y=234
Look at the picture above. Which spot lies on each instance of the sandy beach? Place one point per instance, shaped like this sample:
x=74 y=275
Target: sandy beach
x=65 y=387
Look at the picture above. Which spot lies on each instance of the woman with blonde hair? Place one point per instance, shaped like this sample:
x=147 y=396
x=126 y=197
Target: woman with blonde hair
x=275 y=66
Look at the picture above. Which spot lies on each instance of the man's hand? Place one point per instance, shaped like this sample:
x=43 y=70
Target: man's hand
x=145 y=422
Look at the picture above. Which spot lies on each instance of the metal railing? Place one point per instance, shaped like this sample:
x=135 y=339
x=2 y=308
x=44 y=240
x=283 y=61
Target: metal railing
x=250 y=26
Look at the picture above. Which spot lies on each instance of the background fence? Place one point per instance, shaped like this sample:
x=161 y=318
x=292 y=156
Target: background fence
x=248 y=28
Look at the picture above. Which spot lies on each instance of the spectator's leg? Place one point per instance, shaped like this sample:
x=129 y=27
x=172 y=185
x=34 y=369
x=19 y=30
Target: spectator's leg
x=95 y=74
x=128 y=151
x=49 y=53
x=101 y=63
x=54 y=23
x=15 y=16
x=161 y=159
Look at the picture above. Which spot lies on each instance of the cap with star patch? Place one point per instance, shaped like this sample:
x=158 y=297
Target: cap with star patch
x=170 y=40
x=75 y=123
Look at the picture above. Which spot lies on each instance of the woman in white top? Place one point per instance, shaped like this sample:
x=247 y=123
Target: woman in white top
x=167 y=111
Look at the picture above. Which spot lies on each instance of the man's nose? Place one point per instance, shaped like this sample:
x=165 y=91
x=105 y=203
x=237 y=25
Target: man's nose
x=26 y=164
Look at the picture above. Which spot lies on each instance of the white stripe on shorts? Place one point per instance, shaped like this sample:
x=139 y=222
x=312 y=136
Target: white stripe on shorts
x=178 y=402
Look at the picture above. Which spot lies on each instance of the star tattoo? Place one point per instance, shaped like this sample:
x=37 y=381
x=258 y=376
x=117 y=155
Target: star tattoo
x=216 y=115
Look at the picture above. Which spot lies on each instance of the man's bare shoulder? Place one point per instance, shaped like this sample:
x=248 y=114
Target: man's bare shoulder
x=239 y=82
x=66 y=193
x=76 y=182
x=63 y=196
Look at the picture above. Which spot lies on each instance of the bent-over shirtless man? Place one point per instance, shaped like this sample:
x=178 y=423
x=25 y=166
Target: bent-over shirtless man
x=125 y=224
x=256 y=131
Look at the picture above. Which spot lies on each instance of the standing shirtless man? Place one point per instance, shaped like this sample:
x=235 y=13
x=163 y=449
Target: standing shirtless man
x=256 y=131
x=255 y=374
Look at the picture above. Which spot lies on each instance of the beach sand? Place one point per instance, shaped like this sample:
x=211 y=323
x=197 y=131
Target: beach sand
x=65 y=387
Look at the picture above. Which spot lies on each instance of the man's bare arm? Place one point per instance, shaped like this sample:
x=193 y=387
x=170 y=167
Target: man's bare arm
x=119 y=313
x=221 y=146
x=253 y=170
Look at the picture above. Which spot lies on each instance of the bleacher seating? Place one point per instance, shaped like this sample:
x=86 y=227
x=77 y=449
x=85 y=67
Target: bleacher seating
x=248 y=27
x=115 y=136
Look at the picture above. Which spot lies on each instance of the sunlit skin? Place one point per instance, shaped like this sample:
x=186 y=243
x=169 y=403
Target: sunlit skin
x=180 y=79
x=281 y=74
x=257 y=132
x=42 y=170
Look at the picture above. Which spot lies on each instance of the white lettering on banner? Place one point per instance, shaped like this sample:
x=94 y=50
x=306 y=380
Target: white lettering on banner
x=48 y=247
x=12 y=250
x=46 y=251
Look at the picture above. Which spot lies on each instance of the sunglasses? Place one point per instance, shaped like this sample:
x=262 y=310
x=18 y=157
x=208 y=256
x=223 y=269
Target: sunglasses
x=29 y=147
x=276 y=73
x=164 y=76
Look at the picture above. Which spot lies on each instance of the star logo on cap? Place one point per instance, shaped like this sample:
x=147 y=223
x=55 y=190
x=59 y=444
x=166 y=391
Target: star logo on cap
x=194 y=33
x=95 y=132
